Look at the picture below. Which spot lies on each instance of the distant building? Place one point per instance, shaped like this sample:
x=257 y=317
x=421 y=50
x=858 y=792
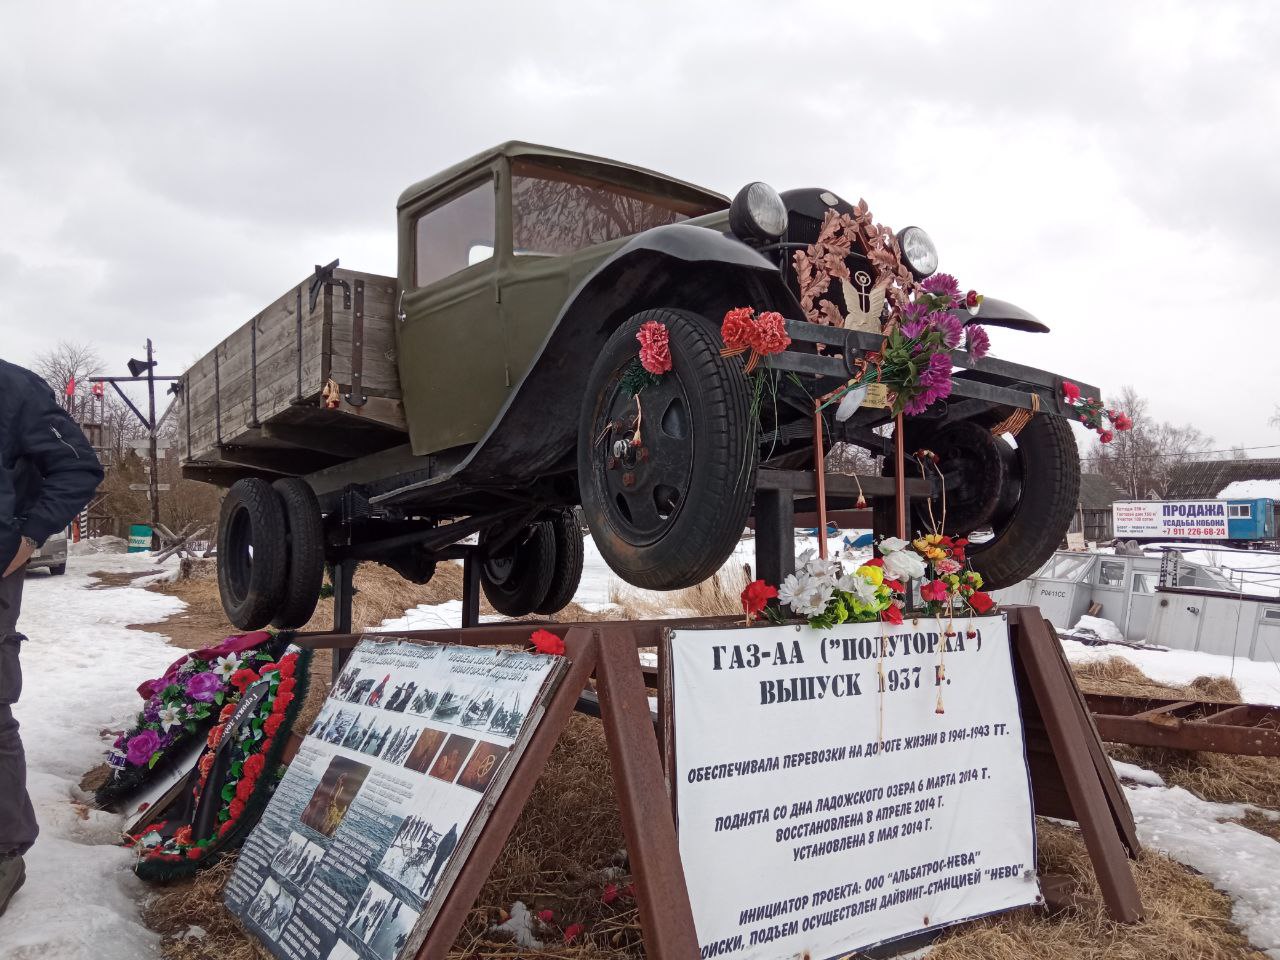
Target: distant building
x=1097 y=493
x=1227 y=480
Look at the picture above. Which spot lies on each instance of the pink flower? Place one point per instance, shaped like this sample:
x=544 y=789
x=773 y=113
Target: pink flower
x=976 y=341
x=655 y=349
x=941 y=285
x=934 y=591
x=143 y=744
x=1106 y=436
x=1121 y=421
x=952 y=329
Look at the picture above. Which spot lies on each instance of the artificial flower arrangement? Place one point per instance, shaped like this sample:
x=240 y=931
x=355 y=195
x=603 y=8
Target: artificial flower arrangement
x=180 y=707
x=914 y=360
x=952 y=589
x=824 y=594
x=1094 y=415
x=235 y=774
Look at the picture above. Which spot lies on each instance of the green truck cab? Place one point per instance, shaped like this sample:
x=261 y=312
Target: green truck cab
x=487 y=391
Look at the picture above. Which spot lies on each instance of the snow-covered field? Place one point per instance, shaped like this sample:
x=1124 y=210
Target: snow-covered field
x=81 y=667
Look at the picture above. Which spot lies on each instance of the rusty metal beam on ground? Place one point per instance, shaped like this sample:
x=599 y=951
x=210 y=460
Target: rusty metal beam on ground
x=1245 y=728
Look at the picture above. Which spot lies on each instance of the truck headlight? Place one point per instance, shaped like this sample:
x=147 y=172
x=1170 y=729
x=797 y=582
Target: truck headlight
x=918 y=251
x=758 y=213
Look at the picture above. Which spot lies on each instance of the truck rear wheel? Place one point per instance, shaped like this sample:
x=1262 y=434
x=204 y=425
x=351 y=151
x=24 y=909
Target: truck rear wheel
x=251 y=553
x=1025 y=495
x=304 y=573
x=666 y=513
x=567 y=570
x=517 y=576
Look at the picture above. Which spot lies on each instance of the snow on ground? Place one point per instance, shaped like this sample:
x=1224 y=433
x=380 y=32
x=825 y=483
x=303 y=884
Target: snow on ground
x=80 y=669
x=1241 y=862
x=1259 y=681
x=1100 y=627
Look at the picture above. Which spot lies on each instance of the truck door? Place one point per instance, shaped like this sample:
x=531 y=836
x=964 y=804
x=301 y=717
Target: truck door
x=453 y=373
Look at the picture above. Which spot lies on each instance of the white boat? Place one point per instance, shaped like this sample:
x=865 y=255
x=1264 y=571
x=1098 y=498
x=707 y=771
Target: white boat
x=1156 y=598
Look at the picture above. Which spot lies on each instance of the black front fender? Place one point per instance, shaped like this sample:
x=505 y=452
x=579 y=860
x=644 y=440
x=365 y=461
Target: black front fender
x=680 y=265
x=1001 y=313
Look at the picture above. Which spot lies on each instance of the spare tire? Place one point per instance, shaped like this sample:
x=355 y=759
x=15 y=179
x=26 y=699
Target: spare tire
x=517 y=578
x=566 y=572
x=304 y=575
x=252 y=556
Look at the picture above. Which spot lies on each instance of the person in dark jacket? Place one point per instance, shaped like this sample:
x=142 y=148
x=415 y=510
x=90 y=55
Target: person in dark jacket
x=48 y=472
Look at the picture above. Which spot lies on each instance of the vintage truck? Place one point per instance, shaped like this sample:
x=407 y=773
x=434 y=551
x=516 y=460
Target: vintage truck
x=474 y=399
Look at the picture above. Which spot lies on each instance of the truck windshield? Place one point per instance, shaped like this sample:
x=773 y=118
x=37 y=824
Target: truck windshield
x=557 y=211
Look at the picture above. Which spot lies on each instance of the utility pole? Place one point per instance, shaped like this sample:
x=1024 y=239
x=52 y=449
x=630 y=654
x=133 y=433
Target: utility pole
x=136 y=369
x=154 y=479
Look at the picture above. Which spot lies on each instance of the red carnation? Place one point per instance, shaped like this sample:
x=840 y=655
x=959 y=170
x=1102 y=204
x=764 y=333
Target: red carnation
x=195 y=853
x=227 y=712
x=874 y=562
x=245 y=788
x=1105 y=436
x=242 y=678
x=267 y=668
x=287 y=665
x=655 y=350
x=1070 y=391
x=755 y=596
x=1122 y=421
x=183 y=836
x=282 y=701
x=286 y=686
x=236 y=809
x=738 y=328
x=770 y=334
x=544 y=641
x=892 y=614
x=971 y=299
x=272 y=724
x=215 y=737
x=981 y=602
x=934 y=590
x=894 y=585
x=253 y=766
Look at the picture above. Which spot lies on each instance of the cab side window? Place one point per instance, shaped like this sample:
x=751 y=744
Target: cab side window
x=454 y=235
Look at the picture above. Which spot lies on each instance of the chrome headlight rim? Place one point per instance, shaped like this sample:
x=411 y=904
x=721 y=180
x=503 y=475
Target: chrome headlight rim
x=758 y=213
x=919 y=252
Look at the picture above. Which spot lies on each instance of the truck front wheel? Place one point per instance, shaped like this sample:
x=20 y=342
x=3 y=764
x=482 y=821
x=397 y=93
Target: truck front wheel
x=667 y=477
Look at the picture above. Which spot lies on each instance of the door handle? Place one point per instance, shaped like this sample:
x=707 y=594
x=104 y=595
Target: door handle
x=400 y=314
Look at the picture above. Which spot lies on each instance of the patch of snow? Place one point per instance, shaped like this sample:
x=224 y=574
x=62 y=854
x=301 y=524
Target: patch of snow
x=80 y=669
x=431 y=616
x=1137 y=774
x=1100 y=627
x=98 y=545
x=1250 y=490
x=1239 y=861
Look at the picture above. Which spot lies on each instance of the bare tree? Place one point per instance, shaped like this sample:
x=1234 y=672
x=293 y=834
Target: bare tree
x=1143 y=461
x=1275 y=417
x=66 y=364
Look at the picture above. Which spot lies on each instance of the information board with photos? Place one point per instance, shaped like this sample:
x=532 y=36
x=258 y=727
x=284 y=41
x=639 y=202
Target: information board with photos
x=375 y=815
x=839 y=788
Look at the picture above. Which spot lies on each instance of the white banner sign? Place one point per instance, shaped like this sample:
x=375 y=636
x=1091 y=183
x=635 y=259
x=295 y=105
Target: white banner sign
x=1170 y=519
x=823 y=809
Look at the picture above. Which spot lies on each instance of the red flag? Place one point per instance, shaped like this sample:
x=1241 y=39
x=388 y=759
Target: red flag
x=71 y=387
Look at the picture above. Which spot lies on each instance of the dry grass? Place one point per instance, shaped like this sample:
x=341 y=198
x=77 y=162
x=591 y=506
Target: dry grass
x=720 y=595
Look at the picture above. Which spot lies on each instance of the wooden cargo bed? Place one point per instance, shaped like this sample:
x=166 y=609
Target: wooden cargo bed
x=309 y=382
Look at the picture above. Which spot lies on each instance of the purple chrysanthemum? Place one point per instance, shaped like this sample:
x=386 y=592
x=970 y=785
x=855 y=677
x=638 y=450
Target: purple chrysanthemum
x=941 y=285
x=951 y=327
x=976 y=341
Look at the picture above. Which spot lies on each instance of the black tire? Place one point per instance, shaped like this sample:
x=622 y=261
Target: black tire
x=304 y=573
x=1033 y=497
x=518 y=578
x=566 y=573
x=692 y=481
x=251 y=588
x=58 y=570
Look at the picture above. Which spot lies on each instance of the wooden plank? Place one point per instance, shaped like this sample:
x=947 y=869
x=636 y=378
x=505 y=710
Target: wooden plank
x=1036 y=654
x=661 y=891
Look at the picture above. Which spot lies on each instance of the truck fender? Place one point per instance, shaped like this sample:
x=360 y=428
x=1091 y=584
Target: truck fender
x=536 y=429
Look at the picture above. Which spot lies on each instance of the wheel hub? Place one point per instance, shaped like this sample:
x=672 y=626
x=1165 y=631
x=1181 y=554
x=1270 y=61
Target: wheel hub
x=975 y=475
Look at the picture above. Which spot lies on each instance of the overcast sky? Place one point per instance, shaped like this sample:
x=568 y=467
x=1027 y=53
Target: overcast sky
x=167 y=169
